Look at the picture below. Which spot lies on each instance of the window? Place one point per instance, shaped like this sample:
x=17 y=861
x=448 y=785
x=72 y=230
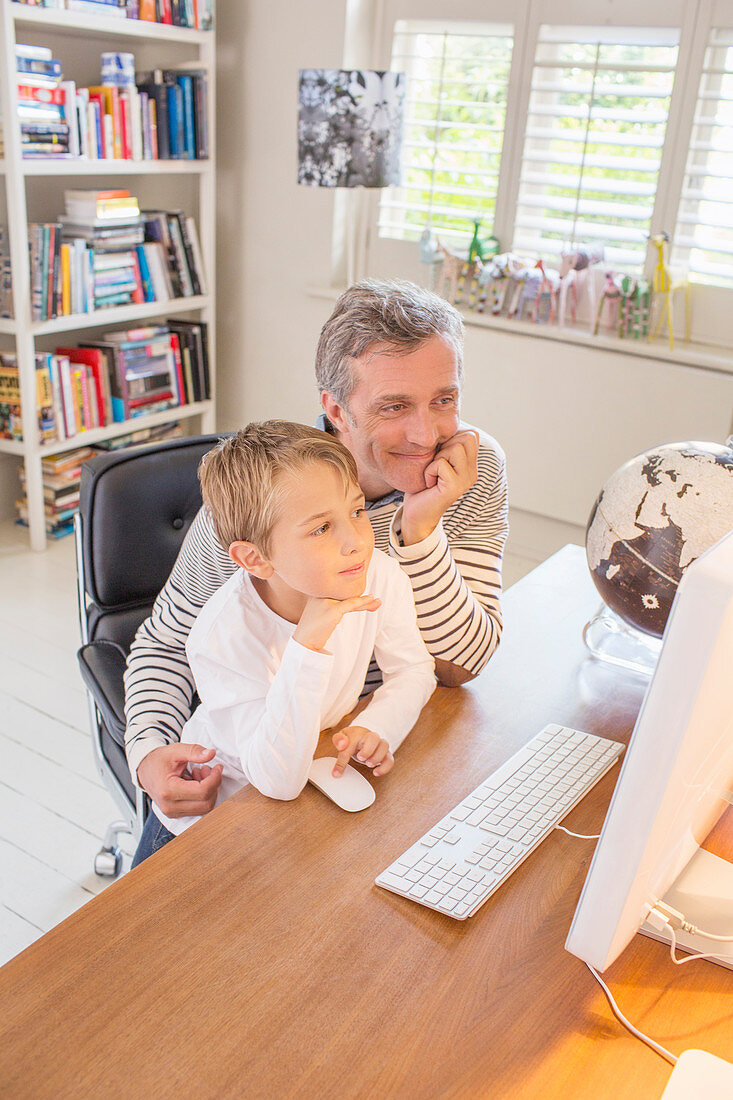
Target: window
x=561 y=123
x=593 y=142
x=454 y=130
x=703 y=241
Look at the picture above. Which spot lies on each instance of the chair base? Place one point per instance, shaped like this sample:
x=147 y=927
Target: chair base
x=108 y=860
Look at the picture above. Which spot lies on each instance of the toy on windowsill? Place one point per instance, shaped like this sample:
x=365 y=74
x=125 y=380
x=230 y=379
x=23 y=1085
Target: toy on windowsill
x=459 y=274
x=482 y=250
x=664 y=287
x=610 y=299
x=577 y=279
x=547 y=292
x=499 y=278
x=634 y=311
x=450 y=273
x=429 y=253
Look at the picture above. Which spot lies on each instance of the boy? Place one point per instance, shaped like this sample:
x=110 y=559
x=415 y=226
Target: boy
x=281 y=650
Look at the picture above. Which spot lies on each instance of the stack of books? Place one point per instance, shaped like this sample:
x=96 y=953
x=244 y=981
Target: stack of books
x=61 y=479
x=161 y=114
x=103 y=253
x=109 y=224
x=174 y=262
x=180 y=111
x=142 y=369
x=44 y=104
x=123 y=376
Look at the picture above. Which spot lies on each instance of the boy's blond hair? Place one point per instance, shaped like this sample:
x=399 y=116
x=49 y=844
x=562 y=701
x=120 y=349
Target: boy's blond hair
x=241 y=478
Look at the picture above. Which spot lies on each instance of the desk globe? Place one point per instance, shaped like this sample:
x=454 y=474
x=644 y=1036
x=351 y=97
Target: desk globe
x=654 y=516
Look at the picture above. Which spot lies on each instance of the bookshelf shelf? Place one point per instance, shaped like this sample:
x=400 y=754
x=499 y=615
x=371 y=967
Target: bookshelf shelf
x=121 y=315
x=31 y=185
x=74 y=23
x=79 y=167
x=124 y=427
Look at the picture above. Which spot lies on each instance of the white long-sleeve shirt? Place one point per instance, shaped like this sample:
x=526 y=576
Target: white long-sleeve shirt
x=265 y=698
x=455 y=575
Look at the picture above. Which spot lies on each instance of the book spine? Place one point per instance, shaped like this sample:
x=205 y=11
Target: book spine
x=65 y=280
x=189 y=130
x=67 y=395
x=189 y=251
x=179 y=254
x=68 y=87
x=58 y=402
x=201 y=100
x=42 y=95
x=82 y=383
x=175 y=121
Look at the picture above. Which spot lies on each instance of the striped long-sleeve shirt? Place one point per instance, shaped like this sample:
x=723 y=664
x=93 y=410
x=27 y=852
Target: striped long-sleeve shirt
x=456 y=582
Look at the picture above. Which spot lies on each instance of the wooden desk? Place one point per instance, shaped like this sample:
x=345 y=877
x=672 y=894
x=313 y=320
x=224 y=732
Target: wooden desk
x=254 y=957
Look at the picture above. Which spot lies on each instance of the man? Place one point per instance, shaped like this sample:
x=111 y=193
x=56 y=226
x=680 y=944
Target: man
x=389 y=368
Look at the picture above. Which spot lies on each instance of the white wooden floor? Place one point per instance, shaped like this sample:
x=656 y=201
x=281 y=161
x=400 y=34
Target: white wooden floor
x=53 y=807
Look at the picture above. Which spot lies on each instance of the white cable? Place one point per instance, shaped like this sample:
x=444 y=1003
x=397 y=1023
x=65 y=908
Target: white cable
x=666 y=1054
x=673 y=920
x=692 y=958
x=580 y=836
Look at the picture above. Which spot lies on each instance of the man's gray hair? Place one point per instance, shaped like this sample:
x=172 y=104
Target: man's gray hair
x=397 y=314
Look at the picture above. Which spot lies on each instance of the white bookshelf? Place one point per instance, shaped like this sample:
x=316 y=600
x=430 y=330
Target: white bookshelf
x=33 y=191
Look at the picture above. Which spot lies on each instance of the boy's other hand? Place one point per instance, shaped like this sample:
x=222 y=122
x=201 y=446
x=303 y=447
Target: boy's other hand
x=368 y=748
x=166 y=775
x=321 y=617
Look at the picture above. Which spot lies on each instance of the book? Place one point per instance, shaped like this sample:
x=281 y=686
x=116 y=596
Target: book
x=95 y=360
x=179 y=253
x=119 y=399
x=11 y=426
x=185 y=82
x=156 y=229
x=36 y=53
x=101 y=206
x=193 y=339
x=175 y=121
x=190 y=262
x=49 y=66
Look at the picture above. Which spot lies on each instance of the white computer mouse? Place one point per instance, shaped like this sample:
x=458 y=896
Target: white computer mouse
x=351 y=791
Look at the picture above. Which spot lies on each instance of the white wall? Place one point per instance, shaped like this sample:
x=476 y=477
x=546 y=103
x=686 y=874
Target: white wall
x=274 y=237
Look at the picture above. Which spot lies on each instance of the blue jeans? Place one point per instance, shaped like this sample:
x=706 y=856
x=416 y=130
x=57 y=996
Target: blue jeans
x=153 y=837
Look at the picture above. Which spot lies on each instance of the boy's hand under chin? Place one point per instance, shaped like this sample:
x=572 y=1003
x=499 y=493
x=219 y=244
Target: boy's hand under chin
x=321 y=617
x=368 y=748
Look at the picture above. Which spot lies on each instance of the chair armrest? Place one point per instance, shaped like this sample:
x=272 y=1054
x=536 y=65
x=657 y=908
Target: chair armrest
x=102 y=666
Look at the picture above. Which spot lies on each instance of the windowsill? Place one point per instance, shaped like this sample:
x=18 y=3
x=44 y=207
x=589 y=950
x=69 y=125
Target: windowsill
x=701 y=356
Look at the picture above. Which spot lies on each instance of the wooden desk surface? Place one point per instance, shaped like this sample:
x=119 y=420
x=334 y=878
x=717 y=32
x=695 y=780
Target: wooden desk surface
x=254 y=957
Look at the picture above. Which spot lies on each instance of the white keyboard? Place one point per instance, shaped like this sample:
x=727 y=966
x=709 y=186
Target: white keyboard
x=463 y=859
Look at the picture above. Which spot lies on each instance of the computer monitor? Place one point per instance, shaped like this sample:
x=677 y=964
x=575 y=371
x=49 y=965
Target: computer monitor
x=674 y=784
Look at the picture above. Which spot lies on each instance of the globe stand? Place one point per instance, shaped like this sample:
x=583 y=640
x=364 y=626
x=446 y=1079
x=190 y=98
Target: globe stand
x=608 y=638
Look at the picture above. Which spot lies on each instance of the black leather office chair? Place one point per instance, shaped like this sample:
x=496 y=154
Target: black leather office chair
x=135 y=508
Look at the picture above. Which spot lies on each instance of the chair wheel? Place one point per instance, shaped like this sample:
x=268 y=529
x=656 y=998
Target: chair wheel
x=108 y=861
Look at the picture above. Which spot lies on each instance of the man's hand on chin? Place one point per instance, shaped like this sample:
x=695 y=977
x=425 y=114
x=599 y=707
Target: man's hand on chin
x=179 y=780
x=450 y=474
